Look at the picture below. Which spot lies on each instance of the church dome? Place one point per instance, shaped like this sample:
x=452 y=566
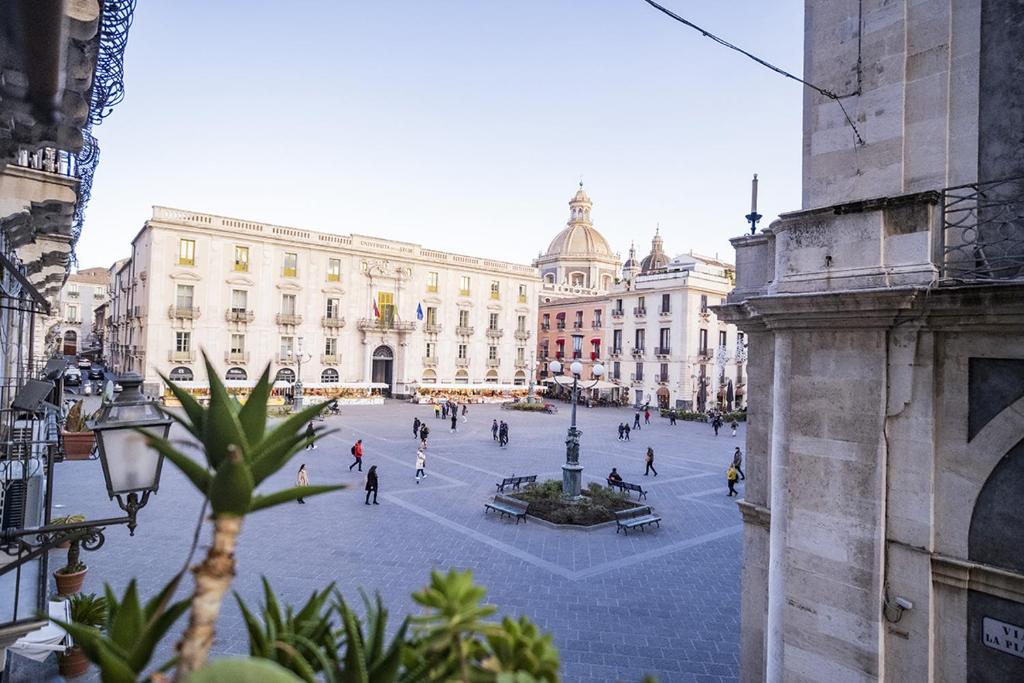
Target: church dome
x=579 y=238
x=657 y=259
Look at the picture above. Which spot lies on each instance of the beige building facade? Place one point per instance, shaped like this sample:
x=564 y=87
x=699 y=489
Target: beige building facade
x=77 y=301
x=352 y=308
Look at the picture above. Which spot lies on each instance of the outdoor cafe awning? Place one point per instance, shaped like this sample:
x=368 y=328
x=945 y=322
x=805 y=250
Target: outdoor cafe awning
x=566 y=380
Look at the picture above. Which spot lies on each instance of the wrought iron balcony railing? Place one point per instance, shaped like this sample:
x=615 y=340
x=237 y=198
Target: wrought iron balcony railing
x=982 y=238
x=384 y=325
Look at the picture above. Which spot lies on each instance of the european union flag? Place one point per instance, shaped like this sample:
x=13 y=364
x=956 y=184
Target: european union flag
x=419 y=311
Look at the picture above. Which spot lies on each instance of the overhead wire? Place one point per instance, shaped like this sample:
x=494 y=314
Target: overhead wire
x=768 y=65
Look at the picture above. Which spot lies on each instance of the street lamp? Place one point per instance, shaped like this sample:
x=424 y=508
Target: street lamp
x=297 y=401
x=572 y=471
x=131 y=470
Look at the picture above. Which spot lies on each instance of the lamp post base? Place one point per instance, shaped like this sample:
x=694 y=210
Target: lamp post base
x=572 y=478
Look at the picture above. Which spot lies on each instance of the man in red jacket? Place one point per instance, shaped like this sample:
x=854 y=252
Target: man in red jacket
x=357 y=453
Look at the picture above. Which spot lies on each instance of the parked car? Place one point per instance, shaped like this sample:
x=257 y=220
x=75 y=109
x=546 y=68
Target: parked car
x=96 y=372
x=84 y=363
x=72 y=377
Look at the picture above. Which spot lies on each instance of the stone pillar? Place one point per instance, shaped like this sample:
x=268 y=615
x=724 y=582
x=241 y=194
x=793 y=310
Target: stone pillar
x=775 y=631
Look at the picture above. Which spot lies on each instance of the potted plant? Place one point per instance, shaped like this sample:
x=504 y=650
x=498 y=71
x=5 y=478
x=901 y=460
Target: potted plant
x=67 y=519
x=78 y=438
x=71 y=576
x=87 y=610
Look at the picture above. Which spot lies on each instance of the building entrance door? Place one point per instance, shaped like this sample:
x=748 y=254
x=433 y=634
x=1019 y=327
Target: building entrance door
x=383 y=367
x=70 y=343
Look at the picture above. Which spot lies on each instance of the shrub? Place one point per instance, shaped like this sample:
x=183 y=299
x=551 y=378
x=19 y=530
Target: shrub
x=597 y=506
x=692 y=416
x=529 y=407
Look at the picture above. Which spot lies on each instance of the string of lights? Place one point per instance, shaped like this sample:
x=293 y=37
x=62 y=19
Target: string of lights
x=725 y=43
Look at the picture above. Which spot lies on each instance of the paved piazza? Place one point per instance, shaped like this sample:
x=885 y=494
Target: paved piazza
x=663 y=602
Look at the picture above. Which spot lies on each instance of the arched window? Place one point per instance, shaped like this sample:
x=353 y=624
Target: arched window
x=462 y=377
x=181 y=374
x=329 y=376
x=236 y=374
x=492 y=377
x=578 y=279
x=285 y=375
x=520 y=378
x=549 y=278
x=383 y=352
x=429 y=377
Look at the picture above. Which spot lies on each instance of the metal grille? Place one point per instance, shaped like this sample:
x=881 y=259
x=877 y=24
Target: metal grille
x=983 y=231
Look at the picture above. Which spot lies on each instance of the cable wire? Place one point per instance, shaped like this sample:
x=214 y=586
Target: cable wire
x=782 y=72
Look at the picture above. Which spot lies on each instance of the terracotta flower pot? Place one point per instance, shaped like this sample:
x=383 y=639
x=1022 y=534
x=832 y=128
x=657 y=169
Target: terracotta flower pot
x=78 y=445
x=72 y=663
x=69 y=584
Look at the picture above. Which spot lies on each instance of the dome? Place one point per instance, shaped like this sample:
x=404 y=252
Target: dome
x=657 y=259
x=579 y=238
x=581 y=195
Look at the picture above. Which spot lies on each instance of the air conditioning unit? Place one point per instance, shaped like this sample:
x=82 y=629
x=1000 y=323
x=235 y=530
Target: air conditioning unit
x=21 y=497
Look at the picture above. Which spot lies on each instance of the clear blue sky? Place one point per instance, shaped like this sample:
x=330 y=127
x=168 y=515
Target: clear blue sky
x=463 y=125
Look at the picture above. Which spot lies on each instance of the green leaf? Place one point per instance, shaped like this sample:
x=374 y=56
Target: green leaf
x=190 y=405
x=293 y=425
x=197 y=474
x=243 y=670
x=231 y=489
x=253 y=415
x=113 y=668
x=124 y=628
x=290 y=494
x=222 y=427
x=274 y=458
x=257 y=641
x=153 y=633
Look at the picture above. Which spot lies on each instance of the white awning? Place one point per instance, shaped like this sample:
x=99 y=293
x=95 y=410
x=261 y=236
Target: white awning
x=599 y=385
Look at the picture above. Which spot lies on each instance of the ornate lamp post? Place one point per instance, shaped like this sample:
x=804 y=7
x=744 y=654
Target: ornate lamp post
x=572 y=471
x=298 y=376
x=533 y=376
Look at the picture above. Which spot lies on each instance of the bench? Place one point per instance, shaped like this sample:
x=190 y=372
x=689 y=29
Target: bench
x=625 y=486
x=516 y=482
x=508 y=506
x=634 y=518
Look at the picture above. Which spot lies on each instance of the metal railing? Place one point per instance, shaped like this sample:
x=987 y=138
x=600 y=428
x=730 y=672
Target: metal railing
x=982 y=237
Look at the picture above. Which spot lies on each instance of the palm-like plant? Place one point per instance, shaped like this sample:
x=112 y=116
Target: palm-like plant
x=241 y=452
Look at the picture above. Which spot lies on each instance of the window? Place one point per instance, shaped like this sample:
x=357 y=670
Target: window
x=431 y=281
x=579 y=280
x=521 y=323
x=595 y=349
x=703 y=303
x=703 y=342
x=462 y=351
x=617 y=341
x=546 y=322
x=522 y=294
x=597 y=317
x=185 y=295
x=577 y=347
x=560 y=353
x=182 y=342
x=640 y=370
x=288 y=304
x=492 y=352
x=334 y=270
x=331 y=346
x=544 y=349
x=560 y=317
x=722 y=338
x=73 y=289
x=665 y=339
x=431 y=349
x=463 y=318
x=329 y=376
x=663 y=375
x=739 y=344
x=464 y=285
x=666 y=303
x=431 y=315
x=72 y=313
x=641 y=303
x=520 y=353
x=239 y=300
x=495 y=289
x=241 y=259
x=291 y=264
x=618 y=306
x=287 y=347
x=333 y=308
x=186 y=252
x=616 y=370
x=492 y=321
x=386 y=306
x=639 y=340
x=579 y=320
x=237 y=344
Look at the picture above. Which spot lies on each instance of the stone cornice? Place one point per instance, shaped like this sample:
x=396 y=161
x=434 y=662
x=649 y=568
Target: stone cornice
x=756 y=515
x=787 y=220
x=968 y=575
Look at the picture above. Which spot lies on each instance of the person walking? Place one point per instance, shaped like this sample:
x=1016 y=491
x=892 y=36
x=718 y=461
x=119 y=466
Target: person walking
x=672 y=417
x=735 y=425
x=421 y=465
x=503 y=434
x=415 y=427
x=371 y=485
x=636 y=420
x=737 y=462
x=424 y=433
x=716 y=424
x=357 y=453
x=465 y=411
x=627 y=429
x=302 y=479
x=494 y=430
x=310 y=437
x=647 y=416
x=622 y=430
x=649 y=459
x=455 y=421
x=437 y=411
x=730 y=477
x=444 y=411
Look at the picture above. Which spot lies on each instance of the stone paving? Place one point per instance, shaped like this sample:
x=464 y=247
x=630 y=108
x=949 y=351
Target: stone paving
x=663 y=602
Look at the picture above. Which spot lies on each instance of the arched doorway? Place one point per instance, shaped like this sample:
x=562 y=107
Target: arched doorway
x=491 y=377
x=329 y=376
x=181 y=374
x=461 y=377
x=70 y=343
x=383 y=366
x=520 y=378
x=429 y=376
x=236 y=374
x=663 y=396
x=285 y=375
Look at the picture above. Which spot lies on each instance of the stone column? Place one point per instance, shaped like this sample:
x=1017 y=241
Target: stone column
x=775 y=630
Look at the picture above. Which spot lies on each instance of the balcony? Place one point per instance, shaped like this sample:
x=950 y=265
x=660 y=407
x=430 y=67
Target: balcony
x=72 y=293
x=615 y=353
x=332 y=321
x=617 y=312
x=493 y=362
x=522 y=335
x=522 y=298
x=429 y=361
x=638 y=351
x=640 y=311
x=520 y=363
x=661 y=379
x=665 y=312
x=182 y=312
x=560 y=325
x=578 y=325
x=178 y=356
x=288 y=319
x=285 y=358
x=494 y=333
x=596 y=325
x=981 y=240
x=463 y=292
x=329 y=359
x=236 y=357
x=662 y=351
x=462 y=362
x=544 y=327
x=432 y=328
x=239 y=315
x=464 y=331
x=636 y=379
x=385 y=325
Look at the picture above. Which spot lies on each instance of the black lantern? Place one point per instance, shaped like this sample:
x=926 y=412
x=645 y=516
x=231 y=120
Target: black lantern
x=131 y=468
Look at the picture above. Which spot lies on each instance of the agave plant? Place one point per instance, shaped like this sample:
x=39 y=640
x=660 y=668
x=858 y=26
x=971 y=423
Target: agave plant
x=368 y=657
x=122 y=644
x=241 y=452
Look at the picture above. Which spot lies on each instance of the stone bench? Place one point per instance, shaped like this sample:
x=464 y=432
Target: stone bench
x=508 y=506
x=638 y=517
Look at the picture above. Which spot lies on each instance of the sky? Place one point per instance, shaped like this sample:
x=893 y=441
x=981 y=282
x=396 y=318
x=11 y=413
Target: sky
x=461 y=125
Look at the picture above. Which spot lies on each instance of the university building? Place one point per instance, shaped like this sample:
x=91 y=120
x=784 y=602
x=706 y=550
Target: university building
x=345 y=309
